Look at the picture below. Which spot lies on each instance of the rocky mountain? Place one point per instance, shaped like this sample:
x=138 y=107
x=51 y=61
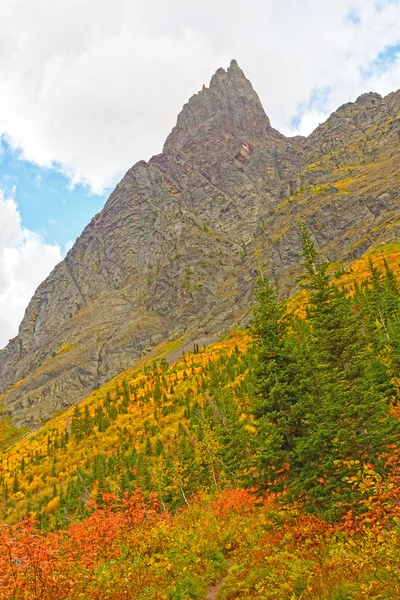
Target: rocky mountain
x=175 y=252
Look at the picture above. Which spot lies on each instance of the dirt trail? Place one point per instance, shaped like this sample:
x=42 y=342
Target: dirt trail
x=212 y=592
x=188 y=347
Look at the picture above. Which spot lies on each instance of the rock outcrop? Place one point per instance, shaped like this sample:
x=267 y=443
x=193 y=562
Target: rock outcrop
x=176 y=249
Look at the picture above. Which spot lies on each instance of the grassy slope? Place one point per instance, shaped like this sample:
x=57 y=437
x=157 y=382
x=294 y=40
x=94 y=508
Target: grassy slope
x=226 y=537
x=146 y=420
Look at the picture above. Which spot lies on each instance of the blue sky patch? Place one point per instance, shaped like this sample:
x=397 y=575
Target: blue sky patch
x=354 y=17
x=47 y=203
x=382 y=62
x=388 y=55
x=318 y=101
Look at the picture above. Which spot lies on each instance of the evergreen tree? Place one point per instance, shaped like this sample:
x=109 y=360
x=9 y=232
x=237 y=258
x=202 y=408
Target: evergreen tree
x=277 y=397
x=15 y=487
x=322 y=395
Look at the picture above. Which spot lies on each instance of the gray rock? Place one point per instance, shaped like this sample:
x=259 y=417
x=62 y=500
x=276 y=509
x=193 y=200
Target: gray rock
x=177 y=248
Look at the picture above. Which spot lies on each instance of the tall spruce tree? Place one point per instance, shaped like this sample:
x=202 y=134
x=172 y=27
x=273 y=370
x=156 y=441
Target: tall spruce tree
x=276 y=374
x=322 y=394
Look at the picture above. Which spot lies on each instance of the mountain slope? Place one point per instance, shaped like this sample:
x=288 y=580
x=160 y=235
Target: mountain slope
x=175 y=251
x=142 y=429
x=135 y=490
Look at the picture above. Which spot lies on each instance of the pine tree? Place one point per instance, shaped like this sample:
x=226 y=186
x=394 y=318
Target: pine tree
x=15 y=487
x=275 y=373
x=87 y=421
x=322 y=395
x=157 y=394
x=352 y=423
x=159 y=447
x=77 y=425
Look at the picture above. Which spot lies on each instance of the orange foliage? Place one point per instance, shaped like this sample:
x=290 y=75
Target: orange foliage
x=63 y=565
x=130 y=549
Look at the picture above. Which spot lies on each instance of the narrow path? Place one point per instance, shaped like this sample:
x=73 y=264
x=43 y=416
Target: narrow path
x=188 y=346
x=212 y=592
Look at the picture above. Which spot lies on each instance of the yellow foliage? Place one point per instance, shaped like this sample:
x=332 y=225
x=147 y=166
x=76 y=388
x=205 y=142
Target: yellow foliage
x=64 y=349
x=250 y=429
x=53 y=504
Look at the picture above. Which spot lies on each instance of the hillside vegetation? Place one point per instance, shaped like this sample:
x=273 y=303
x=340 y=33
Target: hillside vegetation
x=266 y=465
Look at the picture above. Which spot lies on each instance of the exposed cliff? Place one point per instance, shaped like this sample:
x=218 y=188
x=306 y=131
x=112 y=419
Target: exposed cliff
x=177 y=246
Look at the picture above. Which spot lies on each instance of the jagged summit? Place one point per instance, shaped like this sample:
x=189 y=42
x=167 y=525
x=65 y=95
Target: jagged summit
x=228 y=108
x=175 y=252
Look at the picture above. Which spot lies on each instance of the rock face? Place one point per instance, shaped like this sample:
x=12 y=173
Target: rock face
x=176 y=249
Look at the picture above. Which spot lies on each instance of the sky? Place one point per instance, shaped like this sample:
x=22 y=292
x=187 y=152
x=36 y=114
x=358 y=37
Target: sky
x=89 y=87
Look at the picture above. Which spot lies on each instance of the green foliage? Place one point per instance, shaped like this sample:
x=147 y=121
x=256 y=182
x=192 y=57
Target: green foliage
x=307 y=411
x=323 y=395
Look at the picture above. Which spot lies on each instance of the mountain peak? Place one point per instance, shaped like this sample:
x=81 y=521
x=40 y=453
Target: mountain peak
x=178 y=245
x=228 y=108
x=232 y=71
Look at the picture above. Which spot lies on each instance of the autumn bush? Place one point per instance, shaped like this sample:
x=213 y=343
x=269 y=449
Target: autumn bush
x=253 y=546
x=267 y=464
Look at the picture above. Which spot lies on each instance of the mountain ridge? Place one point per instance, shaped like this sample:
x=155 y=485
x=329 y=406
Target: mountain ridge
x=176 y=248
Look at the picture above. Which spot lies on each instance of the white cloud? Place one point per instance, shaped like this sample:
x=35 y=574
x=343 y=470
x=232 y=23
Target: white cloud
x=25 y=260
x=68 y=246
x=94 y=88
x=91 y=88
x=308 y=122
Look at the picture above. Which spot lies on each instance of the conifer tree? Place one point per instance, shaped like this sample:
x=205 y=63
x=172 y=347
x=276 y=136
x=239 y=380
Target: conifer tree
x=356 y=391
x=15 y=487
x=322 y=395
x=276 y=397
